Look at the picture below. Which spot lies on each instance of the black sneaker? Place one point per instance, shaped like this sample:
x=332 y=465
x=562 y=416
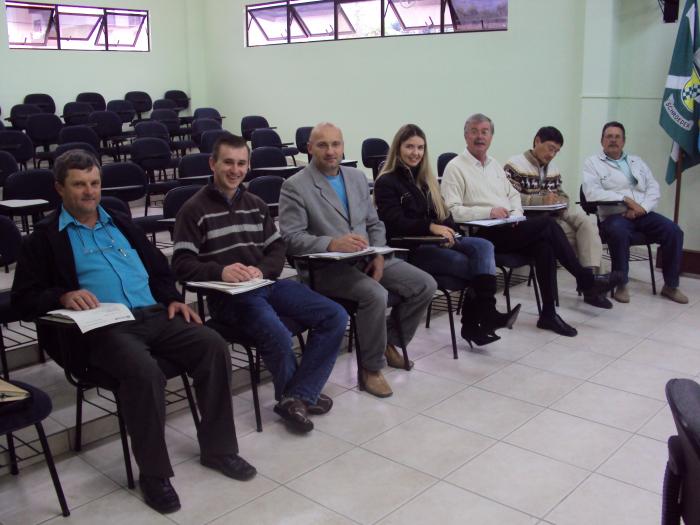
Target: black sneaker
x=293 y=411
x=557 y=325
x=599 y=301
x=159 y=494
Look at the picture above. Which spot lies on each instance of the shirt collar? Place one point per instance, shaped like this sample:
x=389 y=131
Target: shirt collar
x=65 y=219
x=617 y=161
x=476 y=162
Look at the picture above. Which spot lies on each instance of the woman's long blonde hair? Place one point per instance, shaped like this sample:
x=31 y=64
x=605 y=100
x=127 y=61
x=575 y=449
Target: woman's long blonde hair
x=425 y=176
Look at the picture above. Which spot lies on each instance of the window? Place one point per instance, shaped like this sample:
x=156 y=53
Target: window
x=53 y=26
x=290 y=21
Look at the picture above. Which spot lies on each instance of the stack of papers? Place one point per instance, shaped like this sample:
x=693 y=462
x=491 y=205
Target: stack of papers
x=546 y=207
x=10 y=392
x=372 y=250
x=104 y=315
x=231 y=288
x=496 y=222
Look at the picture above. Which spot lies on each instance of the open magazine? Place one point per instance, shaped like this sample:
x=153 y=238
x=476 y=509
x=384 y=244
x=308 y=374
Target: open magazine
x=231 y=288
x=496 y=222
x=371 y=250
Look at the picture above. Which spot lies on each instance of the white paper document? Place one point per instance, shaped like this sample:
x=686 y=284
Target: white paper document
x=231 y=288
x=372 y=250
x=496 y=222
x=10 y=392
x=546 y=207
x=21 y=203
x=104 y=315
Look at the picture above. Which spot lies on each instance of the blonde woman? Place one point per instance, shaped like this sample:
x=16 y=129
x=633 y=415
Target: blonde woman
x=409 y=202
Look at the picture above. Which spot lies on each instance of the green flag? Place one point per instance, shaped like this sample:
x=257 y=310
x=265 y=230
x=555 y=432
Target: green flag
x=680 y=105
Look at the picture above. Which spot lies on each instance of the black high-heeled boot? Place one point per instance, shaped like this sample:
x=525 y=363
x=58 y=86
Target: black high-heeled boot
x=473 y=330
x=484 y=286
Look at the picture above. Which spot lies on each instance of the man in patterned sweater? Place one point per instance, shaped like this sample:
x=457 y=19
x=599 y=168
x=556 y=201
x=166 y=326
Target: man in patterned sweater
x=537 y=178
x=224 y=233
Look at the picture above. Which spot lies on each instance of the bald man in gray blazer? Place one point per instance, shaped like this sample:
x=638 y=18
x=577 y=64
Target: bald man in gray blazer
x=326 y=207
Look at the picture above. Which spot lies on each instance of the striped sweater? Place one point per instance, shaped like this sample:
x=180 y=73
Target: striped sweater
x=211 y=233
x=523 y=171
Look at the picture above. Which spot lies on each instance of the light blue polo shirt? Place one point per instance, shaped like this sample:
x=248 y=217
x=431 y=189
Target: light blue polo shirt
x=105 y=262
x=338 y=184
x=623 y=165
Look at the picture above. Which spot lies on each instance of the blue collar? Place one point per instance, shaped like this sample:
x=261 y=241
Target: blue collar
x=65 y=219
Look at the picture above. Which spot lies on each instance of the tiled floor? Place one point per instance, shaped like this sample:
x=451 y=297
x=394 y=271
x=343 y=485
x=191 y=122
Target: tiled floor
x=532 y=429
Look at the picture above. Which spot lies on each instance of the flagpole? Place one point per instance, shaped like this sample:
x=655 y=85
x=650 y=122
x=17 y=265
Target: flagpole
x=679 y=172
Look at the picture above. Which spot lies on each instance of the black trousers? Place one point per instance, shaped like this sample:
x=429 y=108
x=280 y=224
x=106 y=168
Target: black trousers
x=542 y=239
x=130 y=351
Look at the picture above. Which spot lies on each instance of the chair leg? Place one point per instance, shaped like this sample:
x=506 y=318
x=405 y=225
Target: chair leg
x=358 y=353
x=651 y=270
x=79 y=419
x=460 y=302
x=427 y=314
x=190 y=400
x=351 y=333
x=254 y=388
x=452 y=322
x=52 y=469
x=14 y=470
x=536 y=288
x=506 y=286
x=125 y=445
x=302 y=344
x=3 y=359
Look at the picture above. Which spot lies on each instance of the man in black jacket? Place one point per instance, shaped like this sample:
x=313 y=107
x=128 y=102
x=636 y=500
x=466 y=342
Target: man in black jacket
x=81 y=256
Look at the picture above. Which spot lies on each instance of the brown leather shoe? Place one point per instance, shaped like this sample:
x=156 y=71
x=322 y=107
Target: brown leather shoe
x=622 y=294
x=374 y=383
x=674 y=294
x=394 y=358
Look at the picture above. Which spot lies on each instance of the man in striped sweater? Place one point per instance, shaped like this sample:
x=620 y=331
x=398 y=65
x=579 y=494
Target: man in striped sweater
x=224 y=233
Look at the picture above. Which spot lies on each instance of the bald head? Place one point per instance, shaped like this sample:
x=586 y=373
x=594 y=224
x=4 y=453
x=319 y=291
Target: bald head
x=326 y=147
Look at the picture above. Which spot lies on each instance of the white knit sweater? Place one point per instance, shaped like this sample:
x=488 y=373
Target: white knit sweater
x=471 y=189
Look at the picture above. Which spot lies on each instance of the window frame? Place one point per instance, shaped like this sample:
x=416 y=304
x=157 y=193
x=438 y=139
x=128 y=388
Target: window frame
x=293 y=17
x=100 y=29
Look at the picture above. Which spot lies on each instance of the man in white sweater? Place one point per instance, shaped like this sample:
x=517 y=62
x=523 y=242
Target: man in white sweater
x=475 y=186
x=613 y=175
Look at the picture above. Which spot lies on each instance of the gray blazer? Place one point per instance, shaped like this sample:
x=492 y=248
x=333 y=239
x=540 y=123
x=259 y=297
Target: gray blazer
x=311 y=214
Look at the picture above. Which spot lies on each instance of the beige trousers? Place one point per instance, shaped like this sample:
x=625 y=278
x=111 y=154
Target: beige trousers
x=582 y=232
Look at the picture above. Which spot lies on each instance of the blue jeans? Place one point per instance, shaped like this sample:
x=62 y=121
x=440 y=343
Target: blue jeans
x=468 y=257
x=658 y=229
x=257 y=315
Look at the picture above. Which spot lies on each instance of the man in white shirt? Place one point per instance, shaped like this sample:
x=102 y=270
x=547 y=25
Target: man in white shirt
x=613 y=175
x=475 y=186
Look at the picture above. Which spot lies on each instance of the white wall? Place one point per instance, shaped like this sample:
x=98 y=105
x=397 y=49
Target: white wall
x=64 y=74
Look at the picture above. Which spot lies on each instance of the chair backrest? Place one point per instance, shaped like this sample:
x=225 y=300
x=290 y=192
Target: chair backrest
x=194 y=165
x=114 y=204
x=75 y=113
x=140 y=100
x=10 y=239
x=250 y=123
x=123 y=108
x=164 y=103
x=168 y=117
x=176 y=197
x=302 y=139
x=19 y=145
x=268 y=188
x=267 y=157
x=180 y=98
x=201 y=125
x=8 y=165
x=107 y=124
x=209 y=137
x=211 y=113
x=96 y=100
x=684 y=401
x=265 y=137
x=20 y=112
x=151 y=153
x=44 y=101
x=373 y=149
x=120 y=174
x=80 y=133
x=152 y=128
x=32 y=184
x=43 y=128
x=443 y=160
x=590 y=209
x=67 y=146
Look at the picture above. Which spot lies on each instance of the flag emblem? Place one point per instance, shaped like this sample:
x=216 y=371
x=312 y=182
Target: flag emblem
x=691 y=91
